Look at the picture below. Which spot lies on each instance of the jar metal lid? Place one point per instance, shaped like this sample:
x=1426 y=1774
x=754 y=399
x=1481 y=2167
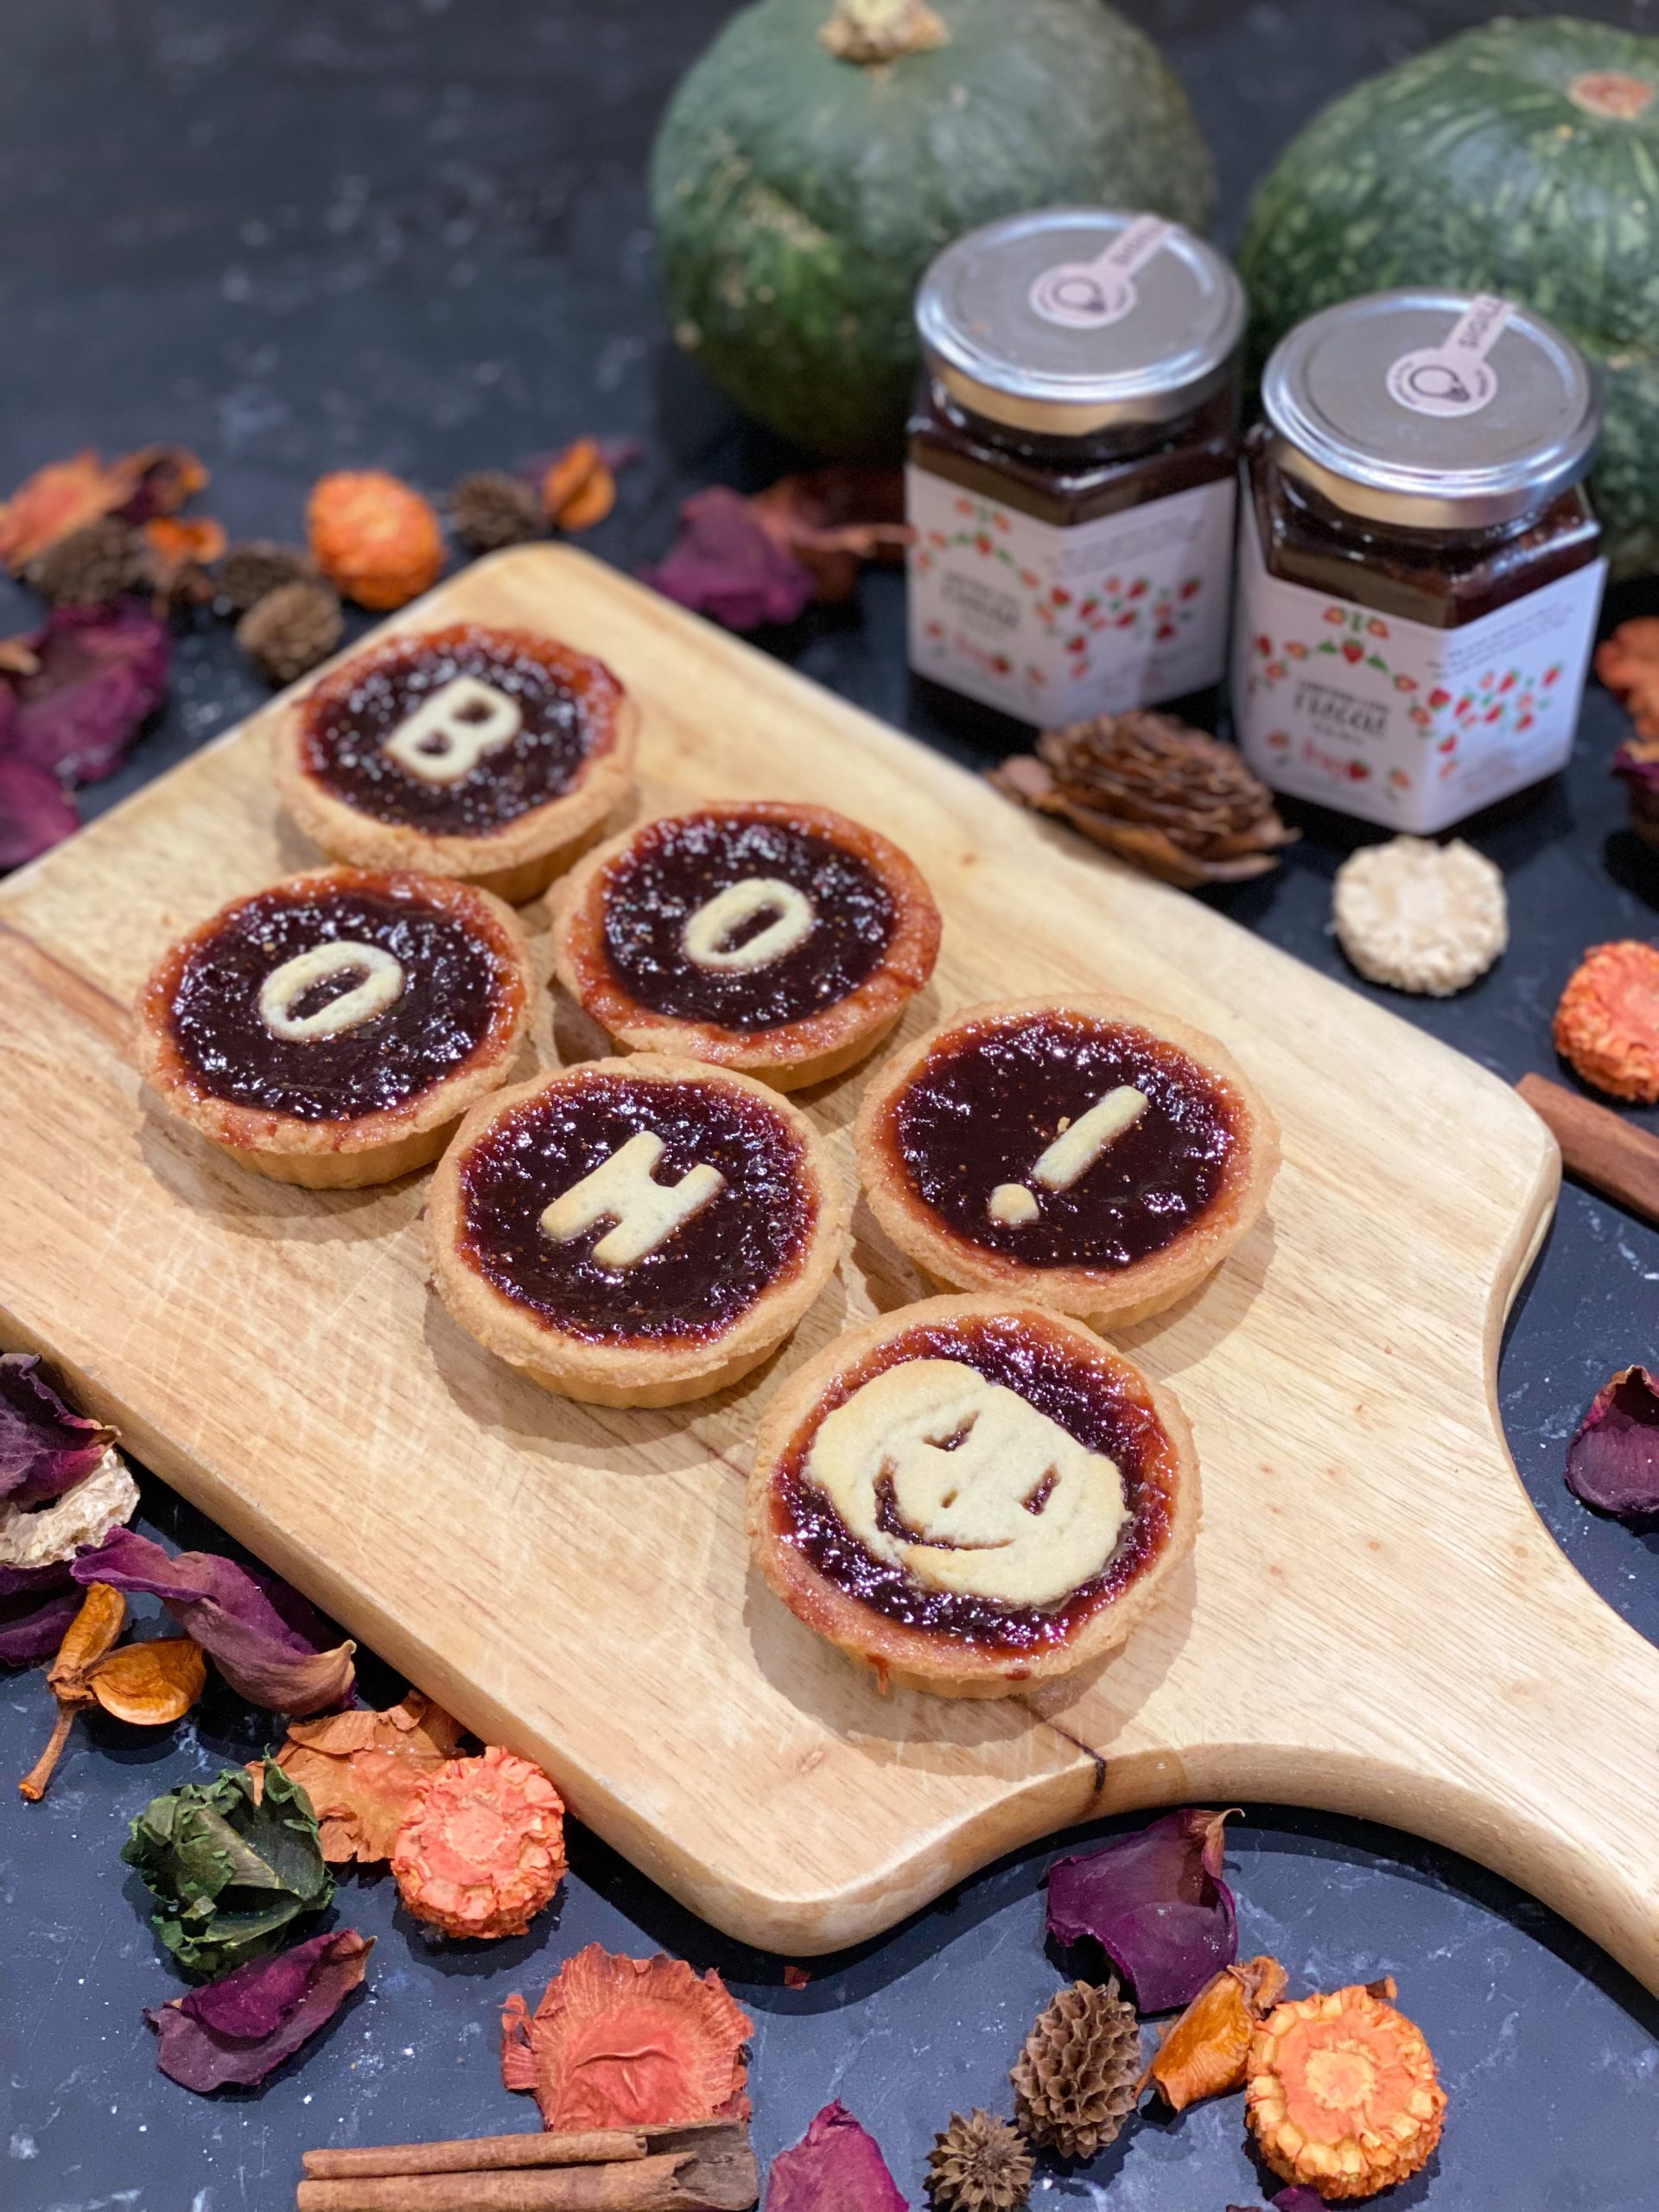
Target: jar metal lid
x=1012 y=328
x=1378 y=409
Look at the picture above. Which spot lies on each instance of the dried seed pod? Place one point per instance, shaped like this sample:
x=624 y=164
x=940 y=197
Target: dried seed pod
x=291 y=629
x=979 y=2164
x=490 y=509
x=248 y=571
x=92 y=566
x=1075 y=2082
x=1342 y=2094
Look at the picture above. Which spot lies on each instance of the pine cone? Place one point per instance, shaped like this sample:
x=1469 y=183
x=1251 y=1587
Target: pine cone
x=1172 y=799
x=490 y=508
x=92 y=566
x=1075 y=2082
x=249 y=572
x=288 y=632
x=979 y=2164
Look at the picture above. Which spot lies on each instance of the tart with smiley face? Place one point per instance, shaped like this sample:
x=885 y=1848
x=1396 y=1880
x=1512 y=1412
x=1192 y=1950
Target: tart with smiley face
x=766 y=935
x=971 y=1496
x=1081 y=1151
x=332 y=1030
x=635 y=1232
x=491 y=755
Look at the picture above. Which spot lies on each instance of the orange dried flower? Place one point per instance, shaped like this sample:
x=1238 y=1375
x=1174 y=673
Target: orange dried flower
x=374 y=537
x=629 y=2043
x=149 y=1684
x=1607 y=1023
x=362 y=1771
x=481 y=1849
x=578 y=487
x=180 y=544
x=1628 y=663
x=63 y=497
x=1342 y=2093
x=1203 y=2054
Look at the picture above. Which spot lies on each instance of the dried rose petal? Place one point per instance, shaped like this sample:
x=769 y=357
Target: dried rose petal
x=33 y=1625
x=259 y=1652
x=35 y=811
x=44 y=1448
x=240 y=2028
x=1613 y=1461
x=726 y=564
x=832 y=520
x=836 y=2166
x=1156 y=1904
x=102 y=674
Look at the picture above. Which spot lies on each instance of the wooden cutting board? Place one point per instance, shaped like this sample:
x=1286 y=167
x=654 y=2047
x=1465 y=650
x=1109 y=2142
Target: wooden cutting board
x=1375 y=1622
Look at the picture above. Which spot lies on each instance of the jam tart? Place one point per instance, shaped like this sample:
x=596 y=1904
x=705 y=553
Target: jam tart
x=766 y=935
x=635 y=1232
x=491 y=755
x=1081 y=1151
x=972 y=1494
x=331 y=1030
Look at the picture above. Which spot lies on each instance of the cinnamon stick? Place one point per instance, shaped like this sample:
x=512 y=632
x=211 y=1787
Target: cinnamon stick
x=627 y=2185
x=594 y=2146
x=1599 y=1147
x=691 y=2167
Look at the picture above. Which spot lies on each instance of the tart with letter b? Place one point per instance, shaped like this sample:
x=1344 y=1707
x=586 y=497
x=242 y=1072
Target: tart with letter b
x=766 y=935
x=972 y=1494
x=1081 y=1151
x=635 y=1232
x=332 y=1030
x=493 y=755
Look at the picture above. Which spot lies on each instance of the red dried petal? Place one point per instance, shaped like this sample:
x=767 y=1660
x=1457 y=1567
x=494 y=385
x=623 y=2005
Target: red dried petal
x=101 y=673
x=1612 y=1462
x=45 y=1449
x=35 y=812
x=726 y=564
x=1156 y=1904
x=836 y=2166
x=240 y=2028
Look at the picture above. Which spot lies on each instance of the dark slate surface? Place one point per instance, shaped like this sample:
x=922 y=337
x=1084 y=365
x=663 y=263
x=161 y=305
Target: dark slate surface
x=405 y=231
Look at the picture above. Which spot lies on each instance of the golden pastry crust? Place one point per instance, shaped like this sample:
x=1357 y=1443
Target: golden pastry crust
x=938 y=1661
x=374 y=1147
x=1104 y=1296
x=520 y=860
x=795 y=1054
x=647 y=1373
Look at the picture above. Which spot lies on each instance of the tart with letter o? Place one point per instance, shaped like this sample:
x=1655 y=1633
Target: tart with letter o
x=971 y=1494
x=491 y=755
x=332 y=1030
x=635 y=1232
x=1082 y=1151
x=766 y=935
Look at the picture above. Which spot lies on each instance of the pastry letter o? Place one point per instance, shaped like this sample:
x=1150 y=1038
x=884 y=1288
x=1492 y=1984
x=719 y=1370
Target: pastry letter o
x=380 y=985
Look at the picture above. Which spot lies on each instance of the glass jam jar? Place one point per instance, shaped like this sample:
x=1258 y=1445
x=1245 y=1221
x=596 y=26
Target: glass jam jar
x=1073 y=464
x=1419 y=566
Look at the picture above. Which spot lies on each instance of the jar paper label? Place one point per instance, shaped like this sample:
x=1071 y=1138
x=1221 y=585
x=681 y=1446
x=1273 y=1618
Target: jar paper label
x=1088 y=294
x=1397 y=722
x=1054 y=625
x=1453 y=378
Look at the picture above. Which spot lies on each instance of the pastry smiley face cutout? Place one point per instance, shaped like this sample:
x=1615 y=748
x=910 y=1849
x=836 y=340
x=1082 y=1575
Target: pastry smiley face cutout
x=971 y=1496
x=331 y=1030
x=635 y=1232
x=491 y=755
x=771 y=937
x=1082 y=1151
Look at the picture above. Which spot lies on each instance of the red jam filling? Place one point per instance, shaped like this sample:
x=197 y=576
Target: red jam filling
x=750 y=1237
x=673 y=868
x=992 y=1098
x=1090 y=1399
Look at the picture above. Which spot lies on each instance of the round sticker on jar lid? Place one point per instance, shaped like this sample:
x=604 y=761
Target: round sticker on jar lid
x=1073 y=319
x=1432 y=409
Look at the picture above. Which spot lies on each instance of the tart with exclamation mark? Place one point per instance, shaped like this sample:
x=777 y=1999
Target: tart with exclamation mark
x=491 y=755
x=1082 y=1152
x=332 y=1030
x=972 y=1494
x=766 y=935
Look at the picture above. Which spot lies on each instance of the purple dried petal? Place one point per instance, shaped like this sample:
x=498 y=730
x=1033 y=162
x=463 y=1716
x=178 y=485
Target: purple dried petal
x=1613 y=1461
x=836 y=2167
x=102 y=674
x=1636 y=766
x=242 y=2027
x=724 y=564
x=1299 y=2197
x=1156 y=1904
x=32 y=1627
x=35 y=1581
x=220 y=1604
x=44 y=1448
x=35 y=812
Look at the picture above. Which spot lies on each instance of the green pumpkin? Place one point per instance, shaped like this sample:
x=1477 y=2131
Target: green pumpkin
x=822 y=152
x=1520 y=158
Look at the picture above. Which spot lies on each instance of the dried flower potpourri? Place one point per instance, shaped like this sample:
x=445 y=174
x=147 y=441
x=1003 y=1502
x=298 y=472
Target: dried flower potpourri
x=1607 y=1023
x=979 y=2164
x=263 y=1640
x=239 y=2029
x=619 y=2043
x=230 y=1867
x=836 y=2166
x=1157 y=1905
x=148 y=1685
x=45 y=1449
x=36 y=1538
x=1076 y=2079
x=578 y=486
x=362 y=1772
x=98 y=675
x=1612 y=1462
x=1628 y=663
x=1342 y=2093
x=374 y=537
x=65 y=496
x=481 y=1848
x=724 y=564
x=1203 y=2054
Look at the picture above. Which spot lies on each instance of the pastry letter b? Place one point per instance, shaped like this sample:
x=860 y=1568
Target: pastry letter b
x=449 y=733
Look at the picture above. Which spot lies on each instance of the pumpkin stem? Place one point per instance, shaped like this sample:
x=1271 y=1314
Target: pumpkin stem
x=874 y=31
x=1612 y=92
